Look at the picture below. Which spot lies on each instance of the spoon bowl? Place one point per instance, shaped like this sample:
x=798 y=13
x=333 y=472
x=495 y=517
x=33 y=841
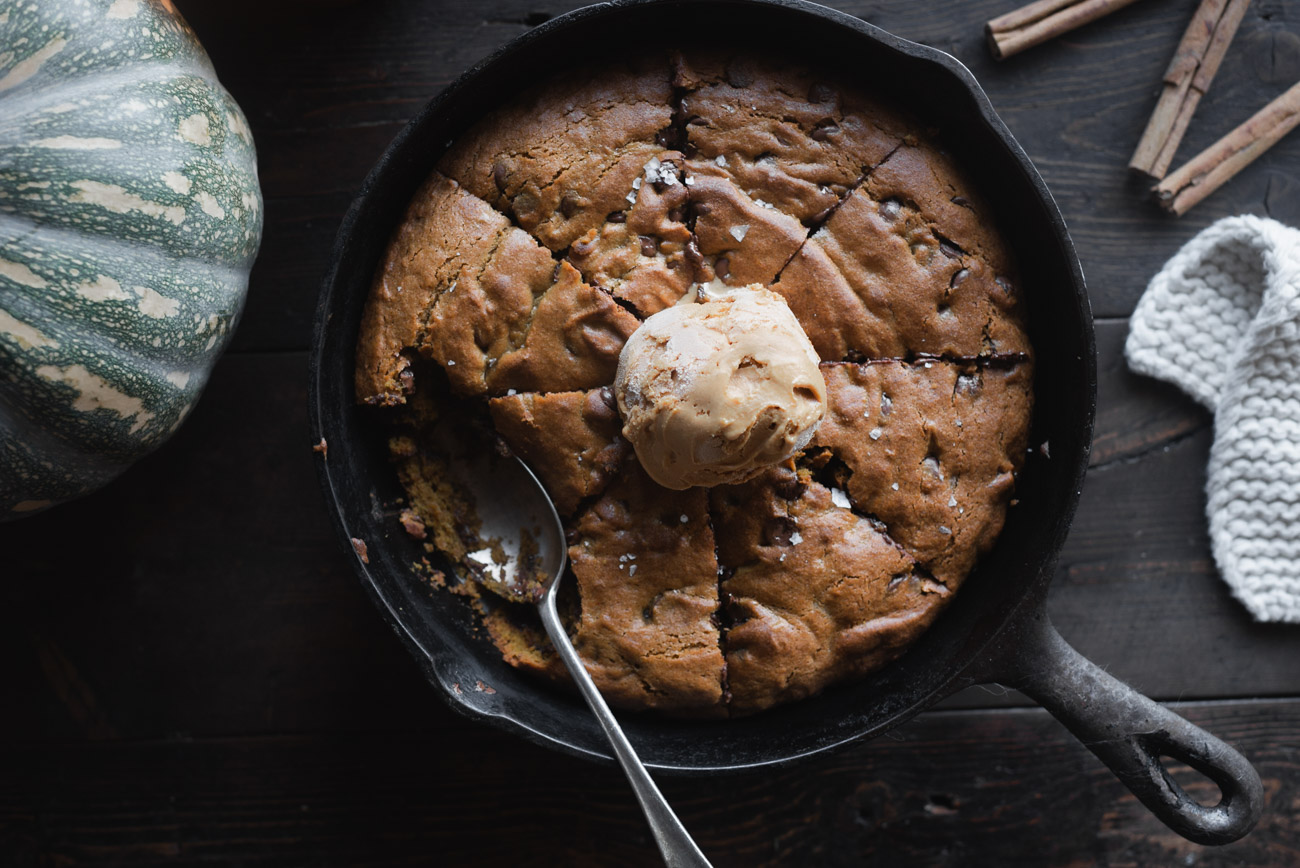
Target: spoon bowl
x=523 y=559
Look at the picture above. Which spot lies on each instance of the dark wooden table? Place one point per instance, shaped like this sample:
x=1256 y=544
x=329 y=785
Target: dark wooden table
x=192 y=675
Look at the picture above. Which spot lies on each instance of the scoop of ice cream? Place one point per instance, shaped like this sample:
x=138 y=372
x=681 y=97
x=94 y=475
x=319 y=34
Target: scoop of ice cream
x=714 y=390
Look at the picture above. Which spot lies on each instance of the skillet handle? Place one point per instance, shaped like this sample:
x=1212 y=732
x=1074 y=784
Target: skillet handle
x=1131 y=734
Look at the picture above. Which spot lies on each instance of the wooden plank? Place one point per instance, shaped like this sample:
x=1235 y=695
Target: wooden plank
x=202 y=592
x=949 y=788
x=325 y=91
x=205 y=595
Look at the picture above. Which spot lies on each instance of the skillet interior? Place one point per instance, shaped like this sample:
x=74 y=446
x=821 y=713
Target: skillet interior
x=438 y=629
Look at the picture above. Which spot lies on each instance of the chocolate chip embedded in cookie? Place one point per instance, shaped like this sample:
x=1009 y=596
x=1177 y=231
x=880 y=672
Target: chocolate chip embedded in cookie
x=932 y=448
x=648 y=582
x=926 y=179
x=642 y=252
x=561 y=158
x=449 y=240
x=880 y=280
x=572 y=340
x=743 y=240
x=814 y=592
x=785 y=134
x=571 y=439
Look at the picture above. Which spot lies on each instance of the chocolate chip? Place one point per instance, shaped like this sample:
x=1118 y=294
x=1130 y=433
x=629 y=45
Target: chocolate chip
x=960 y=200
x=956 y=280
x=1004 y=285
x=525 y=206
x=722 y=268
x=693 y=255
x=676 y=215
x=569 y=204
x=648 y=246
x=950 y=250
x=788 y=486
x=601 y=405
x=821 y=93
x=891 y=208
x=777 y=531
x=571 y=536
x=824 y=129
x=737 y=76
x=664 y=138
x=499 y=176
x=617 y=217
x=822 y=215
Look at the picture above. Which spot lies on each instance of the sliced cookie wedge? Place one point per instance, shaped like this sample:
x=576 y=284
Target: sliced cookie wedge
x=878 y=281
x=784 y=135
x=814 y=593
x=931 y=450
x=450 y=241
x=647 y=576
x=561 y=158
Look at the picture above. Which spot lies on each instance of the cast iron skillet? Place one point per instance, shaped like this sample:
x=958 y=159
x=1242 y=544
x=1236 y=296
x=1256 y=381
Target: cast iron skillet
x=996 y=629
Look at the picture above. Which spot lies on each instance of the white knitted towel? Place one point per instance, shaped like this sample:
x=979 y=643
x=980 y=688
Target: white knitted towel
x=1222 y=321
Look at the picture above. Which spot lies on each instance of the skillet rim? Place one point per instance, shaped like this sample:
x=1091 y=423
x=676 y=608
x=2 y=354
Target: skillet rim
x=1028 y=599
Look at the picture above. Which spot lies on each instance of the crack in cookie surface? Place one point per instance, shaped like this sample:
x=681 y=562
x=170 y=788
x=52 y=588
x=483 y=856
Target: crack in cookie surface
x=815 y=593
x=931 y=449
x=644 y=562
x=742 y=171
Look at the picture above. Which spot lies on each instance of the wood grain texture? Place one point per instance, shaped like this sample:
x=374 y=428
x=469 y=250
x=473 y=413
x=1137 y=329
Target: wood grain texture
x=193 y=674
x=947 y=789
x=326 y=92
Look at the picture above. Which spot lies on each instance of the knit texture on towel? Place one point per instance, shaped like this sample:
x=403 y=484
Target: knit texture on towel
x=1222 y=321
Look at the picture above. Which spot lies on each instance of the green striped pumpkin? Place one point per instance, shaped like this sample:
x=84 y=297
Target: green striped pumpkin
x=129 y=218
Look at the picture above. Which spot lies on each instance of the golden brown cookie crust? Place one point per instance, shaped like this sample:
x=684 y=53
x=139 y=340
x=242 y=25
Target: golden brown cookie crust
x=556 y=224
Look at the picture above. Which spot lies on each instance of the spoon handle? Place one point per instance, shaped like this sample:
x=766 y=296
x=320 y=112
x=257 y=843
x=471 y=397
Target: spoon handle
x=675 y=843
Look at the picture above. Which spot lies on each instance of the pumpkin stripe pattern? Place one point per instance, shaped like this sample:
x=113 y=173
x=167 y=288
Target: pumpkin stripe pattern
x=130 y=214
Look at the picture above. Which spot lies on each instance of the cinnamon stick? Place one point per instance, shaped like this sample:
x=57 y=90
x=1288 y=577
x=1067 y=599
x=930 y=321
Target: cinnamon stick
x=1208 y=170
x=1186 y=80
x=1038 y=22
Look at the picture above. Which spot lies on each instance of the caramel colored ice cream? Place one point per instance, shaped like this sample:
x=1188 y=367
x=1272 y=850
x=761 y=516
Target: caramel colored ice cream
x=715 y=389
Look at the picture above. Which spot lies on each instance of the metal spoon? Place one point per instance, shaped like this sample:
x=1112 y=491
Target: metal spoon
x=524 y=561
